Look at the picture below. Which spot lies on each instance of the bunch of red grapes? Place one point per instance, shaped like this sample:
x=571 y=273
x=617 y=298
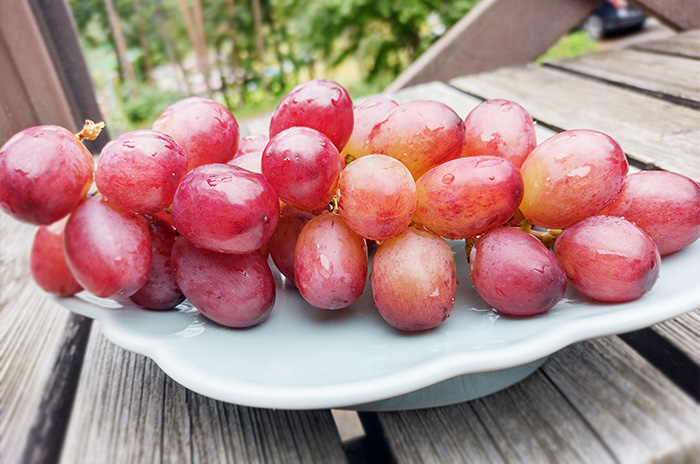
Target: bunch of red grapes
x=187 y=210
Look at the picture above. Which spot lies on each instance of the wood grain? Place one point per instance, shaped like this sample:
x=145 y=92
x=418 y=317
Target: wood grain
x=31 y=333
x=648 y=129
x=595 y=401
x=128 y=410
x=669 y=77
x=686 y=44
x=684 y=332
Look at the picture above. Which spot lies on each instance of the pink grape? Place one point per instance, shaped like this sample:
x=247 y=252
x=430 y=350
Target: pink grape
x=45 y=171
x=303 y=166
x=108 y=248
x=319 y=104
x=251 y=161
x=377 y=196
x=414 y=280
x=366 y=116
x=225 y=208
x=283 y=242
x=254 y=143
x=206 y=130
x=160 y=292
x=420 y=134
x=608 y=258
x=234 y=290
x=663 y=204
x=515 y=273
x=47 y=261
x=330 y=263
x=499 y=128
x=468 y=196
x=571 y=176
x=140 y=170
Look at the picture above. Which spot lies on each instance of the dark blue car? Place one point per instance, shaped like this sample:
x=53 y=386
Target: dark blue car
x=611 y=17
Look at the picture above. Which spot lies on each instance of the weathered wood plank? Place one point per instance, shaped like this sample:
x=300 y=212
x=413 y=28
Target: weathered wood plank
x=684 y=332
x=670 y=77
x=638 y=413
x=678 y=14
x=686 y=44
x=595 y=401
x=26 y=48
x=493 y=34
x=650 y=130
x=31 y=332
x=128 y=410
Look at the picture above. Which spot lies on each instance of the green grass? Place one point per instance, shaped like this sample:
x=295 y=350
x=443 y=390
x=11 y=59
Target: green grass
x=572 y=45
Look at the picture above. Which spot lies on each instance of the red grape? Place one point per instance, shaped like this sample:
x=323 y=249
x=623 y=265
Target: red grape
x=303 y=166
x=377 y=196
x=225 y=208
x=499 y=128
x=414 y=281
x=515 y=273
x=319 y=104
x=44 y=173
x=366 y=116
x=420 y=134
x=47 y=261
x=330 y=263
x=608 y=258
x=140 y=170
x=160 y=290
x=468 y=196
x=663 y=204
x=233 y=290
x=204 y=128
x=108 y=248
x=283 y=242
x=571 y=176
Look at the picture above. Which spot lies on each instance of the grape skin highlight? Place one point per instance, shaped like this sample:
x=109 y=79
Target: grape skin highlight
x=319 y=104
x=47 y=261
x=108 y=248
x=499 y=128
x=468 y=196
x=377 y=196
x=414 y=280
x=515 y=273
x=140 y=170
x=225 y=208
x=571 y=176
x=45 y=171
x=608 y=258
x=205 y=128
x=234 y=290
x=303 y=166
x=665 y=205
x=330 y=263
x=420 y=134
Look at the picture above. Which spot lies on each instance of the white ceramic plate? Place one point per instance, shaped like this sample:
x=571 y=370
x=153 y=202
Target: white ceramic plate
x=305 y=358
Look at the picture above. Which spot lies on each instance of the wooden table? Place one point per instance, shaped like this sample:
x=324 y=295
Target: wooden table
x=67 y=394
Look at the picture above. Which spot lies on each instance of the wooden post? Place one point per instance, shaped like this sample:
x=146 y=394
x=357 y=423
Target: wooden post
x=496 y=33
x=681 y=15
x=43 y=75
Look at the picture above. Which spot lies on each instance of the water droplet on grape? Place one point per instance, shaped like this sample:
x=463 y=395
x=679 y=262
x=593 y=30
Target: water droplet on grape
x=213 y=181
x=128 y=144
x=448 y=179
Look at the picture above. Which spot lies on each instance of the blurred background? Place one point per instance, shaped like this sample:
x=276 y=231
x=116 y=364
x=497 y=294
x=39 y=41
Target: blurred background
x=143 y=55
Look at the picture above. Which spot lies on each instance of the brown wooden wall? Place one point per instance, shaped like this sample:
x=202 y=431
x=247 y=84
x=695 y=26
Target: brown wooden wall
x=43 y=76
